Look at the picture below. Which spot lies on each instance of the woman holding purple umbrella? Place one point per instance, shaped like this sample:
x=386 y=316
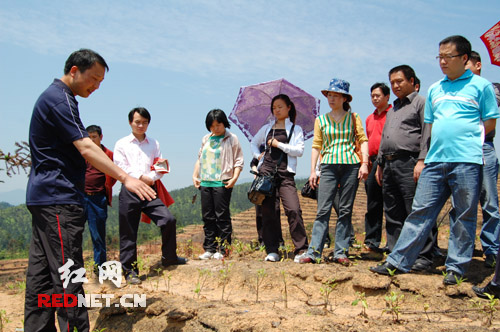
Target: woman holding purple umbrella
x=335 y=135
x=284 y=142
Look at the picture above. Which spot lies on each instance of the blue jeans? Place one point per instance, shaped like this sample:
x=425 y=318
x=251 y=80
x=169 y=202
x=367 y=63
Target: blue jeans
x=344 y=178
x=436 y=183
x=488 y=198
x=96 y=212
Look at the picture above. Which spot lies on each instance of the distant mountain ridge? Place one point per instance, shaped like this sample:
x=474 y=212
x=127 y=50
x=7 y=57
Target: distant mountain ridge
x=15 y=220
x=13 y=197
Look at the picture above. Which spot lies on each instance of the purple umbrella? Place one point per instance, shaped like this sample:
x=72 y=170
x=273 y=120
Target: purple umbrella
x=252 y=109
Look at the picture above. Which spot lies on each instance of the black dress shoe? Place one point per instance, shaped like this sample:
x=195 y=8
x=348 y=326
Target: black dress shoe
x=452 y=278
x=133 y=279
x=421 y=266
x=177 y=261
x=385 y=268
x=488 y=289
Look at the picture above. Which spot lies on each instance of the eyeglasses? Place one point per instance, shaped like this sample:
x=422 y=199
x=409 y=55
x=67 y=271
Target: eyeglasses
x=447 y=57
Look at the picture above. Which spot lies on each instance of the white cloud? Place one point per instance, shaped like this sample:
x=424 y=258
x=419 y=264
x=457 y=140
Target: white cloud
x=207 y=38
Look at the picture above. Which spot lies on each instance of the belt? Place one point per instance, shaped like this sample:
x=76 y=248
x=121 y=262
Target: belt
x=103 y=192
x=399 y=155
x=373 y=158
x=488 y=139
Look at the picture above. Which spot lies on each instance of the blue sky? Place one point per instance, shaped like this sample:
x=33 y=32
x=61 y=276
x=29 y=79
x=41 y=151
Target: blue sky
x=179 y=59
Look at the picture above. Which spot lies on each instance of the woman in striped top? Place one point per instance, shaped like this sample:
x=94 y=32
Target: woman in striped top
x=341 y=168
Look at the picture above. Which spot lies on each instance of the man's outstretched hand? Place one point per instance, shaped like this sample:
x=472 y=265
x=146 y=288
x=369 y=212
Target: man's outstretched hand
x=139 y=188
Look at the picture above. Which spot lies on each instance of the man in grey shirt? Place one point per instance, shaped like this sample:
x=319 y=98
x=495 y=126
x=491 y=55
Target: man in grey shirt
x=401 y=155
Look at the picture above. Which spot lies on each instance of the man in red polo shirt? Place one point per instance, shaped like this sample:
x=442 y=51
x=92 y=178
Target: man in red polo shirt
x=98 y=194
x=380 y=94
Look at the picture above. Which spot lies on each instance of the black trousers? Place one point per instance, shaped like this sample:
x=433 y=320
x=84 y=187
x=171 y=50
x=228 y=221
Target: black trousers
x=130 y=210
x=374 y=210
x=271 y=225
x=398 y=189
x=216 y=217
x=258 y=221
x=56 y=237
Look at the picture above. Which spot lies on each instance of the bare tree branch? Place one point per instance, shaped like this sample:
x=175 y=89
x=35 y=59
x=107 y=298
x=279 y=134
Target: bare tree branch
x=19 y=160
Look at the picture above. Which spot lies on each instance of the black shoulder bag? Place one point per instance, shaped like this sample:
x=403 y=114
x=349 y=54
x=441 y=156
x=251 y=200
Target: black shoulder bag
x=265 y=185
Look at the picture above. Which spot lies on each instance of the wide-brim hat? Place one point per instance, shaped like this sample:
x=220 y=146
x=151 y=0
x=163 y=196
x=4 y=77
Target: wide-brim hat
x=340 y=86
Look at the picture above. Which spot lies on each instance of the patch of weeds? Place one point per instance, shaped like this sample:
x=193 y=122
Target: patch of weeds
x=285 y=251
x=391 y=272
x=261 y=275
x=392 y=305
x=202 y=280
x=21 y=285
x=249 y=247
x=17 y=287
x=254 y=245
x=138 y=264
x=167 y=278
x=361 y=298
x=326 y=289
x=459 y=281
x=3 y=319
x=488 y=309
x=224 y=277
x=238 y=246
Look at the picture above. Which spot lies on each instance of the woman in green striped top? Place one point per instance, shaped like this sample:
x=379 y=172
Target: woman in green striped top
x=341 y=168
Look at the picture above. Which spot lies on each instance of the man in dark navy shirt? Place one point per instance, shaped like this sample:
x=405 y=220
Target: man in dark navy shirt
x=59 y=146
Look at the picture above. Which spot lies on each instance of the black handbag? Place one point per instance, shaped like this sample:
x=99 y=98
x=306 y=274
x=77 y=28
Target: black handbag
x=262 y=187
x=308 y=191
x=265 y=185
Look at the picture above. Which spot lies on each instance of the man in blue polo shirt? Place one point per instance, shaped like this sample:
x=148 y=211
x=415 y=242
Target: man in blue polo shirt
x=461 y=108
x=59 y=144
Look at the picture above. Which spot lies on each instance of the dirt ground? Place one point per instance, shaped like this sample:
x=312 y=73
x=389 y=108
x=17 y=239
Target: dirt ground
x=244 y=293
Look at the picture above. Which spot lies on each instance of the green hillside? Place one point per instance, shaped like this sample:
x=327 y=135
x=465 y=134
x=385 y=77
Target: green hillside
x=15 y=221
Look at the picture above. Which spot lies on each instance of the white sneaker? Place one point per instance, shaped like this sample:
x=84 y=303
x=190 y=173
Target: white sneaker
x=206 y=255
x=272 y=257
x=298 y=257
x=218 y=256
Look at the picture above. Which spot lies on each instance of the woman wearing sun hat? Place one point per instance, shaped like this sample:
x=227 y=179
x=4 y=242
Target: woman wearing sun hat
x=341 y=168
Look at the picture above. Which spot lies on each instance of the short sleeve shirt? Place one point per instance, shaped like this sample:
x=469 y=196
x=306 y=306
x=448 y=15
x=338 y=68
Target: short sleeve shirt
x=456 y=109
x=58 y=170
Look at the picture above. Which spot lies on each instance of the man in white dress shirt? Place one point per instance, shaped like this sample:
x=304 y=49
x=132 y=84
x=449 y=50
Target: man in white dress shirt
x=135 y=154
